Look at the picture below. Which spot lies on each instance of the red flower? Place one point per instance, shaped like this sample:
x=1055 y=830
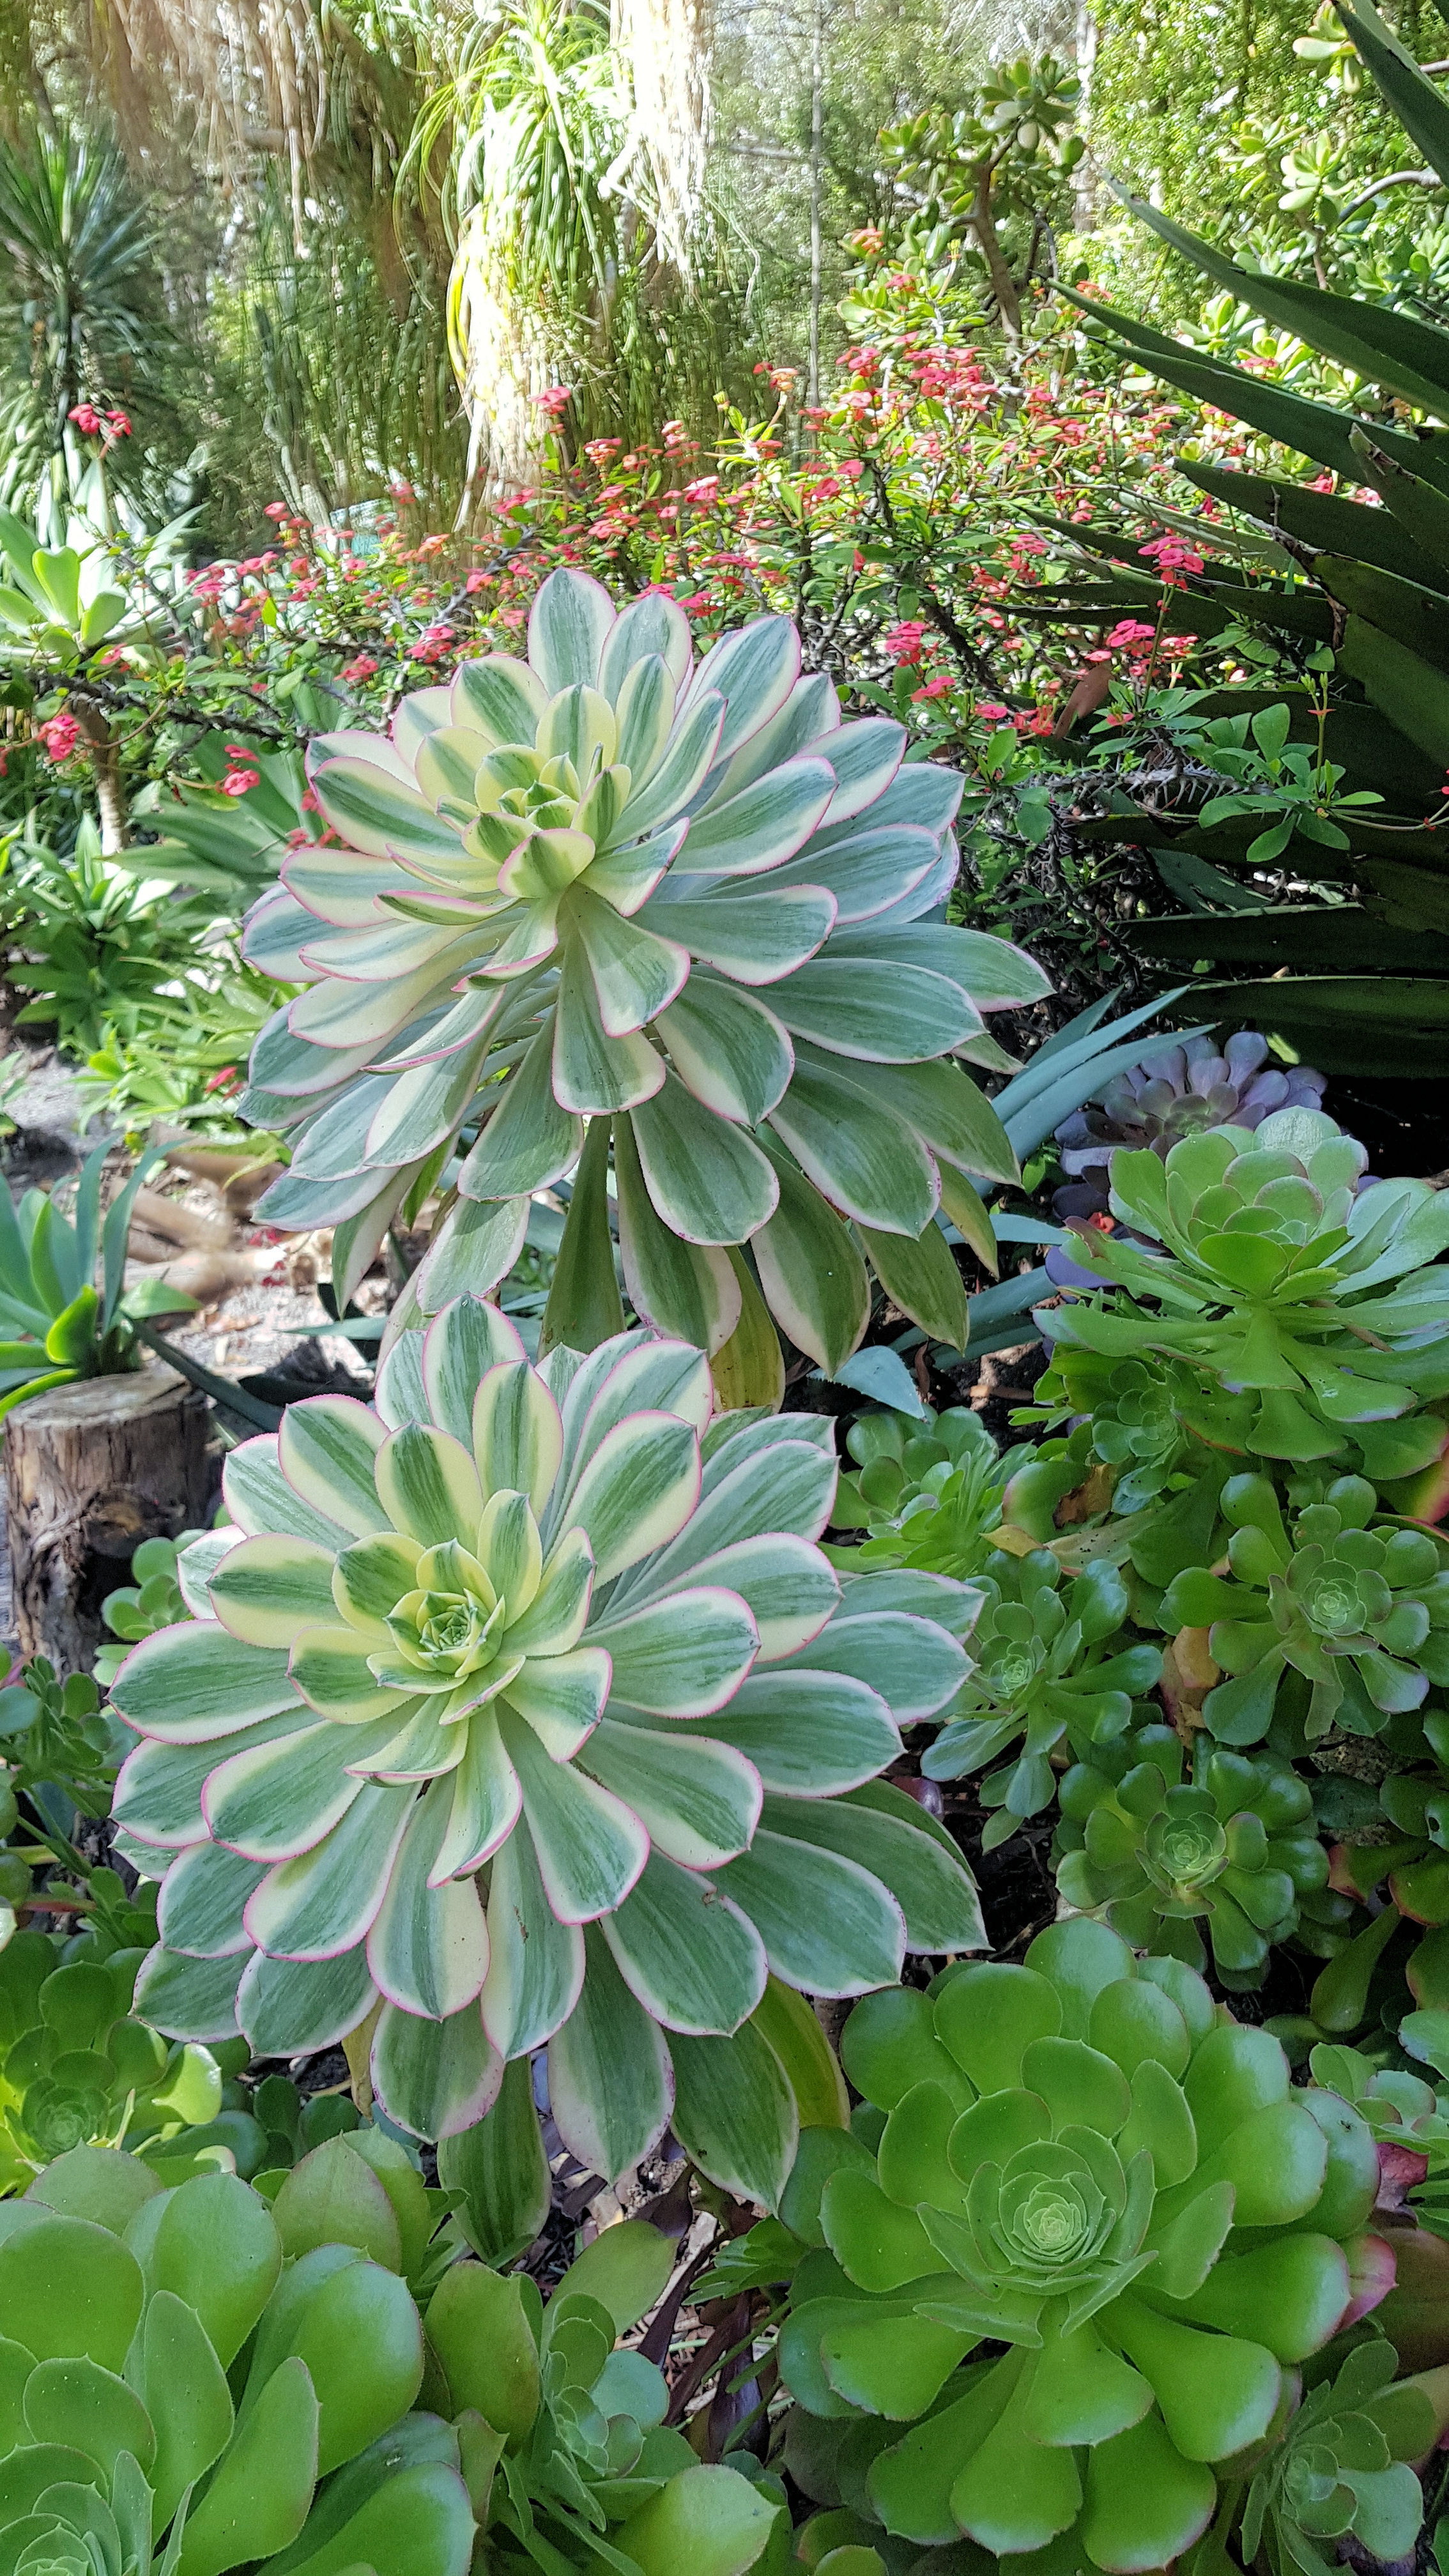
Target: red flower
x=87 y=419
x=60 y=735
x=905 y=641
x=237 y=782
x=275 y=510
x=361 y=667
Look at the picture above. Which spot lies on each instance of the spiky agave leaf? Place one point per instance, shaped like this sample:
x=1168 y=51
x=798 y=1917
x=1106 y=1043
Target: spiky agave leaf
x=688 y=902
x=531 y=1712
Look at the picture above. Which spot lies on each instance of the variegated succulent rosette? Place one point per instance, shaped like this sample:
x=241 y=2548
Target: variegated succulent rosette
x=528 y=1711
x=608 y=899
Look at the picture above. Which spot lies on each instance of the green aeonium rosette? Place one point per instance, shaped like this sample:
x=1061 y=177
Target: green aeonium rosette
x=1223 y=1858
x=1052 y=1663
x=1082 y=2161
x=1314 y=1316
x=530 y=1712
x=1361 y=1613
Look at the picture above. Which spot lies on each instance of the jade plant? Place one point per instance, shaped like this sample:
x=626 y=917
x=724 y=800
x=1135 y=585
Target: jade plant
x=1082 y=2160
x=927 y=1496
x=187 y=2390
x=1224 y=1858
x=1314 y=1317
x=603 y=898
x=528 y=1711
x=78 y=2066
x=1051 y=1667
x=1361 y=1613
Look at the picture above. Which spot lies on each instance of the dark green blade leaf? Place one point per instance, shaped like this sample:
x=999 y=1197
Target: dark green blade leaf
x=1421 y=111
x=1307 y=428
x=1422 y=510
x=1306 y=935
x=1329 y=526
x=1407 y=357
x=1403 y=610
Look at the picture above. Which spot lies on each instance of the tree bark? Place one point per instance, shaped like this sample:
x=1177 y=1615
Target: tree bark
x=90 y=1470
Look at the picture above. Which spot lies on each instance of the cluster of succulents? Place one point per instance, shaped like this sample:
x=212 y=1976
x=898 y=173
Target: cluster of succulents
x=1174 y=1091
x=528 y=1711
x=78 y=2067
x=925 y=1494
x=1050 y=1668
x=1315 y=1318
x=608 y=900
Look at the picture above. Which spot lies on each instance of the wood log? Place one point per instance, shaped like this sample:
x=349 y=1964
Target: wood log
x=90 y=1470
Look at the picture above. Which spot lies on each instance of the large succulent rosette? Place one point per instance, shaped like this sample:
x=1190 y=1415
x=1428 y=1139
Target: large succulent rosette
x=530 y=1712
x=1083 y=2162
x=606 y=898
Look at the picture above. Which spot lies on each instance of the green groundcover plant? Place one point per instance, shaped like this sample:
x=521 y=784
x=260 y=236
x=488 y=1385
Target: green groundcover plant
x=203 y=2378
x=528 y=1711
x=77 y=2066
x=181 y=2398
x=606 y=896
x=1083 y=2160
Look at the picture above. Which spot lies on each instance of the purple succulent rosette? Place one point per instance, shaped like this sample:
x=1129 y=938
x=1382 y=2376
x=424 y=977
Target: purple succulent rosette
x=529 y=1712
x=1175 y=1091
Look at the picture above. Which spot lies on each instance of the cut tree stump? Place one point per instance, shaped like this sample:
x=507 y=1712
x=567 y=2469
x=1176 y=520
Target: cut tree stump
x=91 y=1470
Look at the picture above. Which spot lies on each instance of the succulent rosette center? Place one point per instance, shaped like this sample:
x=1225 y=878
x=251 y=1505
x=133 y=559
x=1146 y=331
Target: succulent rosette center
x=473 y=1742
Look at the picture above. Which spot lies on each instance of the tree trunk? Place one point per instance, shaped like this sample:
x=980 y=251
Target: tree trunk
x=90 y=1470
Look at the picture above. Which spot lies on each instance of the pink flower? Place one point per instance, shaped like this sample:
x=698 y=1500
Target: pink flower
x=1130 y=631
x=238 y=781
x=1029 y=544
x=704 y=490
x=477 y=581
x=904 y=642
x=275 y=510
x=867 y=240
x=361 y=667
x=988 y=709
x=1171 y=555
x=87 y=419
x=555 y=401
x=119 y=424
x=401 y=490
x=940 y=687
x=60 y=735
x=310 y=804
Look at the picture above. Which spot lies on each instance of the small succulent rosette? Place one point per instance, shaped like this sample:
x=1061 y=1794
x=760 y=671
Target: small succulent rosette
x=1254 y=1258
x=529 y=1711
x=1083 y=2161
x=605 y=899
